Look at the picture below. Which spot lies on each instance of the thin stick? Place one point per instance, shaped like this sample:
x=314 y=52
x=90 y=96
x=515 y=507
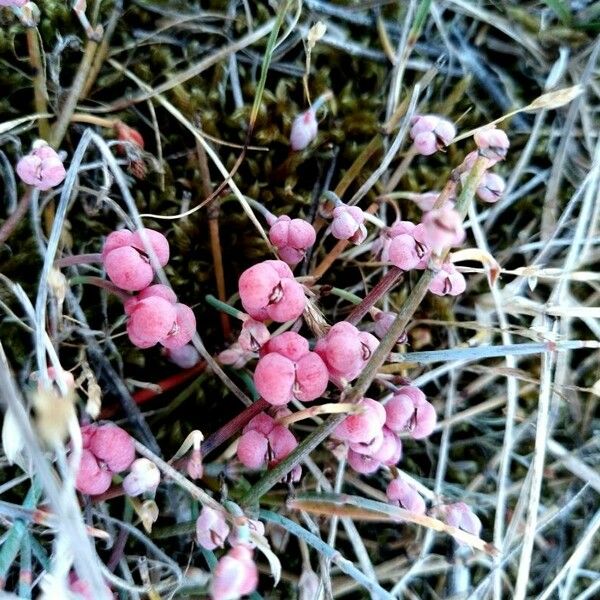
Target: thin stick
x=40 y=93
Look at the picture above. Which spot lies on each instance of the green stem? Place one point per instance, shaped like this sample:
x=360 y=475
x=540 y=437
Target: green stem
x=224 y=307
x=40 y=93
x=375 y=590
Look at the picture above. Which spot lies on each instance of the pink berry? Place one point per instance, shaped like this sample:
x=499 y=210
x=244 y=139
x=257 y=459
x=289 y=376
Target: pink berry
x=151 y=321
x=92 y=479
x=262 y=423
x=143 y=477
x=116 y=239
x=409 y=410
x=370 y=447
x=442 y=228
x=274 y=378
x=491 y=187
x=292 y=237
x=304 y=130
x=289 y=344
x=254 y=335
x=492 y=143
x=156 y=240
x=404 y=252
x=426 y=201
x=268 y=290
x=461 y=516
x=42 y=167
x=281 y=443
x=448 y=281
x=252 y=449
x=362 y=428
x=345 y=350
x=401 y=493
x=184 y=357
x=182 y=329
x=363 y=464
x=235 y=575
x=113 y=446
x=347 y=224
x=390 y=451
x=211 y=528
x=127 y=269
x=424 y=420
x=431 y=133
x=311 y=378
x=159 y=290
x=126 y=261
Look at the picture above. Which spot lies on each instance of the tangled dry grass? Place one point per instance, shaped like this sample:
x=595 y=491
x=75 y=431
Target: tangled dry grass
x=511 y=366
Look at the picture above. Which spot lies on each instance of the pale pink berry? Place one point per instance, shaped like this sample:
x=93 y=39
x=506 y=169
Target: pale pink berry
x=184 y=357
x=92 y=478
x=311 y=378
x=402 y=494
x=292 y=238
x=304 y=130
x=252 y=449
x=17 y=3
x=158 y=289
x=461 y=516
x=211 y=528
x=182 y=329
x=254 y=335
x=405 y=252
x=143 y=477
x=383 y=322
x=347 y=224
x=491 y=187
x=126 y=261
x=151 y=321
x=268 y=291
x=363 y=464
x=235 y=575
x=345 y=350
x=448 y=281
x=381 y=245
x=431 y=133
x=390 y=451
x=111 y=445
x=362 y=427
x=263 y=441
x=409 y=410
x=369 y=447
x=492 y=143
x=289 y=344
x=274 y=378
x=42 y=167
x=442 y=228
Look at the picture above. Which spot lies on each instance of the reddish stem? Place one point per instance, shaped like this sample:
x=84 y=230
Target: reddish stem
x=166 y=384
x=388 y=281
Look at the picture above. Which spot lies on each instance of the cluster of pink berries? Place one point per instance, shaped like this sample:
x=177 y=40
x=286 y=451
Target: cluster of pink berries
x=291 y=237
x=265 y=442
x=42 y=168
x=109 y=450
x=431 y=133
x=154 y=315
x=236 y=573
x=268 y=290
x=372 y=436
x=409 y=246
